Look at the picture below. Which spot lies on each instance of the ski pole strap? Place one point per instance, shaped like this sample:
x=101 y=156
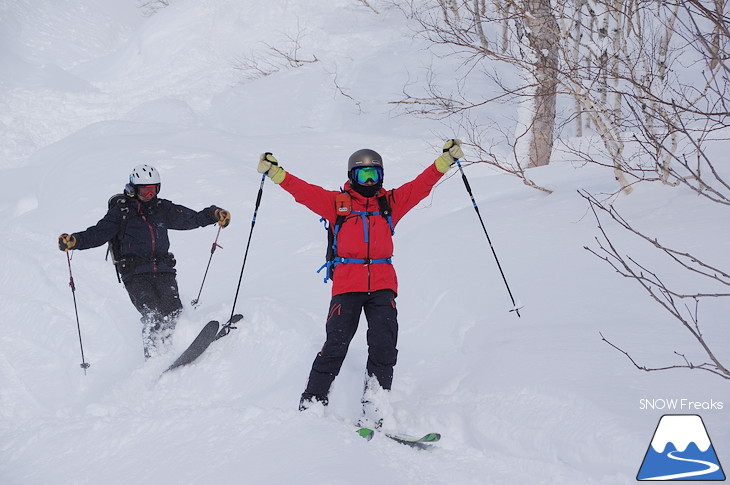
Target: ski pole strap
x=330 y=265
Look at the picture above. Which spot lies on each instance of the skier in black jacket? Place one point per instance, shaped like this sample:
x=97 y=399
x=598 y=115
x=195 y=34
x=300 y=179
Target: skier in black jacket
x=140 y=220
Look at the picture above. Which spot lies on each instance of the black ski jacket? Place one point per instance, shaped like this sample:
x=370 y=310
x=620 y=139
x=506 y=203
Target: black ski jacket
x=144 y=245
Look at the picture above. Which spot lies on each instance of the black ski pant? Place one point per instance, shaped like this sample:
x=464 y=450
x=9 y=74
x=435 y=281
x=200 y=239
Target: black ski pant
x=157 y=299
x=342 y=322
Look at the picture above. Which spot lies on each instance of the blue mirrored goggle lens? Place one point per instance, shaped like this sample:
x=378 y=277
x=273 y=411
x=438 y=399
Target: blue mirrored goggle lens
x=367 y=174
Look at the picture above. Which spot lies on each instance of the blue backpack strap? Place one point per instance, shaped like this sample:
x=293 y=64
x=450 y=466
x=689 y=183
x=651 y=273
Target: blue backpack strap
x=332 y=258
x=363 y=261
x=342 y=208
x=331 y=262
x=365 y=228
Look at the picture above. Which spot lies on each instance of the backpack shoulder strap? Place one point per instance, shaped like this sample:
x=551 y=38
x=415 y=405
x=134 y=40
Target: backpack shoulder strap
x=343 y=208
x=385 y=210
x=123 y=201
x=114 y=244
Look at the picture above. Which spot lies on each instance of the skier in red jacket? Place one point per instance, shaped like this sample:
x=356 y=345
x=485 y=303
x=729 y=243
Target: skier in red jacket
x=360 y=267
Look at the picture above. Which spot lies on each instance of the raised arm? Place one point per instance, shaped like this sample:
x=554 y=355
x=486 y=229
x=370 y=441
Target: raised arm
x=317 y=199
x=408 y=195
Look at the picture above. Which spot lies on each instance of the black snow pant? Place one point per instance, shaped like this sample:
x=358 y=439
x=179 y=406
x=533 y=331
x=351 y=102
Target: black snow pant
x=342 y=322
x=156 y=298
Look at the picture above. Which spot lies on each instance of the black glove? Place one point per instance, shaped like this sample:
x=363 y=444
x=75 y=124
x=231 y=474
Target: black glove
x=221 y=216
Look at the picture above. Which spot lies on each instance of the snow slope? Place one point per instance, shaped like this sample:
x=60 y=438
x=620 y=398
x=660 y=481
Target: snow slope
x=90 y=88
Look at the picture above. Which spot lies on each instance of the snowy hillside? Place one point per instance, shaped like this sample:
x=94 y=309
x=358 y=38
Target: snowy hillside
x=90 y=88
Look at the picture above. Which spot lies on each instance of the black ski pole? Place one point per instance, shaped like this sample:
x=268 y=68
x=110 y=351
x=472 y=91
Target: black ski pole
x=515 y=308
x=229 y=324
x=84 y=364
x=196 y=301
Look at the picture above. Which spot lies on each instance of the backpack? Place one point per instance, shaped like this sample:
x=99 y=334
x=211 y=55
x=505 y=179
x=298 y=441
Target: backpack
x=343 y=207
x=114 y=244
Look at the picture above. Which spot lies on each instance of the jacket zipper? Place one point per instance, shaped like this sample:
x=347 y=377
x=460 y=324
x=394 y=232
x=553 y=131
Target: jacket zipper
x=367 y=221
x=152 y=238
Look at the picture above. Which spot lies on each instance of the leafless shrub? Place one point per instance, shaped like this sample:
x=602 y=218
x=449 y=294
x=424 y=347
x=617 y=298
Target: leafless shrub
x=150 y=7
x=682 y=306
x=275 y=58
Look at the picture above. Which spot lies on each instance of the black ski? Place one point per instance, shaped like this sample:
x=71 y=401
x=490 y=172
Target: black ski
x=226 y=329
x=209 y=334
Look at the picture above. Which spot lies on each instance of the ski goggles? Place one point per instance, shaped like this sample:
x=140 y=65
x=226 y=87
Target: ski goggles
x=147 y=192
x=364 y=175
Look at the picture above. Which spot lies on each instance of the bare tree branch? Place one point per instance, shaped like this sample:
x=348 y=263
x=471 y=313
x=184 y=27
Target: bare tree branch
x=656 y=288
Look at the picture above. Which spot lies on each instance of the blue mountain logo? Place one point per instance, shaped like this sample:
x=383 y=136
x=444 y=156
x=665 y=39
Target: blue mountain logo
x=681 y=450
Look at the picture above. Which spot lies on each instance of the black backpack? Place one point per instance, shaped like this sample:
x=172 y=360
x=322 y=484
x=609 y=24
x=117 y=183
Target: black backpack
x=343 y=206
x=114 y=244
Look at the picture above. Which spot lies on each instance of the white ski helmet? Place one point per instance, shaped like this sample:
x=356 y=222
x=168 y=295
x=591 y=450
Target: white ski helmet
x=144 y=174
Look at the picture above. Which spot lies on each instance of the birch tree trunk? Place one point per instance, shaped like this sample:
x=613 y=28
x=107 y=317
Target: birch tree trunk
x=543 y=35
x=577 y=33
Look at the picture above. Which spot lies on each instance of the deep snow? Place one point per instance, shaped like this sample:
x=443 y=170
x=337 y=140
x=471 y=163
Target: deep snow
x=89 y=89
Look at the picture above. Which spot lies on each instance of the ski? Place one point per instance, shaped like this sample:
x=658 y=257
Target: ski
x=198 y=346
x=366 y=433
x=209 y=334
x=226 y=329
x=424 y=442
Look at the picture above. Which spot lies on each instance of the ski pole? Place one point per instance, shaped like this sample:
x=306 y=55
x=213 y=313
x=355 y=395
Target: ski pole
x=84 y=364
x=515 y=308
x=229 y=324
x=196 y=301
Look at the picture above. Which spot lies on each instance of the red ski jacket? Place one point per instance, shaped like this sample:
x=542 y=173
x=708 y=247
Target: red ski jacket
x=353 y=241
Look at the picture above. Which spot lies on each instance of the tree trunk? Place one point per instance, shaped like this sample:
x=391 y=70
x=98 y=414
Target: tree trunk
x=543 y=35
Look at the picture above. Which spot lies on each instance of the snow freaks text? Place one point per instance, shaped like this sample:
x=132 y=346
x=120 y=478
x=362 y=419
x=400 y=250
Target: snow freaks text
x=677 y=404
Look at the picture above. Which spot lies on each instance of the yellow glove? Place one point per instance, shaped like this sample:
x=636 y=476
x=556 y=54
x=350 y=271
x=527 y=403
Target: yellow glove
x=452 y=152
x=223 y=216
x=270 y=166
x=66 y=242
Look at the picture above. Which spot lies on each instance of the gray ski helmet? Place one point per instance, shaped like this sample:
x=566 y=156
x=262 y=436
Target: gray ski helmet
x=363 y=158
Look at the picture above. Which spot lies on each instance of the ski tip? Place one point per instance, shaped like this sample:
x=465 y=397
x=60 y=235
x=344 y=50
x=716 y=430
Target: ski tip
x=236 y=318
x=365 y=433
x=422 y=443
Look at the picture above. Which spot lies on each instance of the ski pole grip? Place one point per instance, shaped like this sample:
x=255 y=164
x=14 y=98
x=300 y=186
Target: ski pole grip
x=258 y=197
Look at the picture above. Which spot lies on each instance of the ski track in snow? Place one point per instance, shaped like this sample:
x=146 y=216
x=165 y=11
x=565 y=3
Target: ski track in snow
x=537 y=399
